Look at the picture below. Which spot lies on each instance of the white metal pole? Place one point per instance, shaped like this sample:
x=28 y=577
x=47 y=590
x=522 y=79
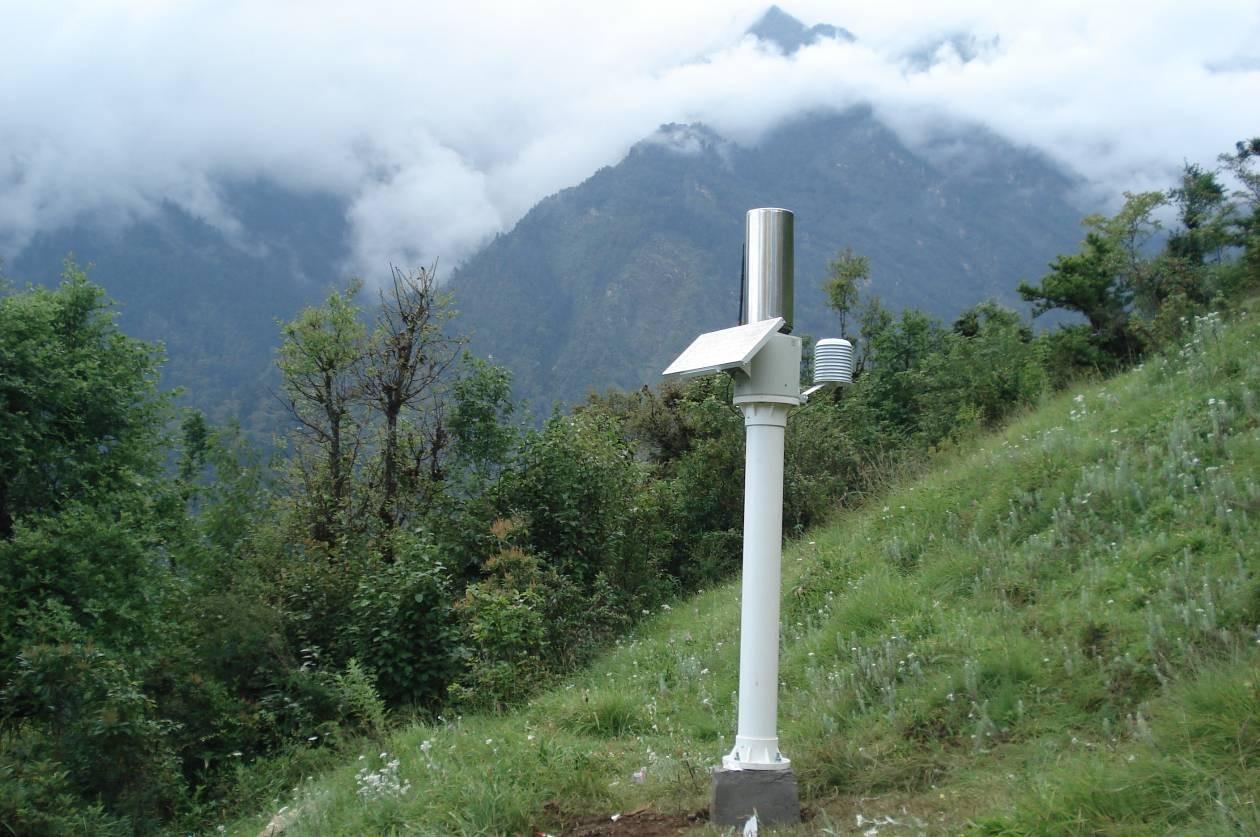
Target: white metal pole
x=757 y=740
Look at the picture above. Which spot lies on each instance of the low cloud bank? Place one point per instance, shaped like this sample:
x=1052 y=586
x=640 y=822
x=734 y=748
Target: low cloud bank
x=441 y=127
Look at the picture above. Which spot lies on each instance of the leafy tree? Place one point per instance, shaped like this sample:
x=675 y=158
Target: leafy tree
x=1203 y=211
x=319 y=359
x=894 y=384
x=88 y=529
x=847 y=273
x=80 y=414
x=1094 y=283
x=1246 y=218
x=481 y=418
x=873 y=320
x=225 y=480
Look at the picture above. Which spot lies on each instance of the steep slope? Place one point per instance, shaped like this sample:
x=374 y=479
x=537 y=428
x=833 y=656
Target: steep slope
x=1054 y=631
x=601 y=284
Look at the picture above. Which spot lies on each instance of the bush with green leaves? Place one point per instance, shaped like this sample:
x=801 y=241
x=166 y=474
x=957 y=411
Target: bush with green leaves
x=38 y=798
x=402 y=627
x=581 y=495
x=94 y=719
x=507 y=637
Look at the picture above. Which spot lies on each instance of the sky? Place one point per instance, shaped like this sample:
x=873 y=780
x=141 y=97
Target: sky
x=441 y=124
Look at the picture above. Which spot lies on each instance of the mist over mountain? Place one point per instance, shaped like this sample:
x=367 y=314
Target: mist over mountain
x=604 y=283
x=212 y=299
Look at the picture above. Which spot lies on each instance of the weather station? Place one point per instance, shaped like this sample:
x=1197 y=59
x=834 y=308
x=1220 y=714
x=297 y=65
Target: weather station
x=764 y=360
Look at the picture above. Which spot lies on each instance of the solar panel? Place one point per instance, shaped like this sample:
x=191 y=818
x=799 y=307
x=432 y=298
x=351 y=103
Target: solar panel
x=725 y=349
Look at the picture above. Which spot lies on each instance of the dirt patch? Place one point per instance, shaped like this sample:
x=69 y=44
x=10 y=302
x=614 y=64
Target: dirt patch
x=641 y=823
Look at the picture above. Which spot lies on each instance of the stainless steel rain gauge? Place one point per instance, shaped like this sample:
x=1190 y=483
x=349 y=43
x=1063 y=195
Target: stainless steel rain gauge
x=765 y=361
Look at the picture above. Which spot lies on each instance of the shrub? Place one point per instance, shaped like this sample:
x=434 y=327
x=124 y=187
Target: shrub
x=402 y=625
x=506 y=635
x=94 y=720
x=38 y=799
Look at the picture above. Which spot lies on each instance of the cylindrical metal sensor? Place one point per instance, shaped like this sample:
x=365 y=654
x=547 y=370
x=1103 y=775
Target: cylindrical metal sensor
x=767 y=291
x=833 y=361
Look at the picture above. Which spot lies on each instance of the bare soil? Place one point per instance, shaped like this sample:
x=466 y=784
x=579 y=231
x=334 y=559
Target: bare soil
x=641 y=823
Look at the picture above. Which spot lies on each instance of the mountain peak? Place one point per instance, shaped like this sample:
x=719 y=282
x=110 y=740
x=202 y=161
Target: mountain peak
x=789 y=34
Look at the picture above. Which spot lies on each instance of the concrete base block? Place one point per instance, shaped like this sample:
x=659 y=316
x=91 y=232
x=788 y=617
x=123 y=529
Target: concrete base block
x=737 y=794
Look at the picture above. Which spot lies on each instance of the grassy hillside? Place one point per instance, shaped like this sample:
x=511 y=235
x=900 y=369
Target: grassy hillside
x=1054 y=631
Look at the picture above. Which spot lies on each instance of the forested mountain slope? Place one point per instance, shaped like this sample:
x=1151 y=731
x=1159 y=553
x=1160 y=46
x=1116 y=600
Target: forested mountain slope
x=602 y=284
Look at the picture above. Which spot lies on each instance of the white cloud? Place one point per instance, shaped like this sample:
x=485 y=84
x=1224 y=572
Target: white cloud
x=441 y=124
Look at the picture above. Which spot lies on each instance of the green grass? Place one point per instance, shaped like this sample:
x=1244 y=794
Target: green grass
x=1053 y=632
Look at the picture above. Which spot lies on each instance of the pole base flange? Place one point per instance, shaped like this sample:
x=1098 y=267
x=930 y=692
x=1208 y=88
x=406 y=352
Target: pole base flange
x=738 y=794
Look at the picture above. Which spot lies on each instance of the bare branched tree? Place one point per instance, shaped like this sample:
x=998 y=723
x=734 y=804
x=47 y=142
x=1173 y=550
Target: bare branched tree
x=408 y=357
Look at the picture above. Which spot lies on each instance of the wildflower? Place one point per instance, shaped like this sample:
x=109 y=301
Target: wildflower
x=381 y=784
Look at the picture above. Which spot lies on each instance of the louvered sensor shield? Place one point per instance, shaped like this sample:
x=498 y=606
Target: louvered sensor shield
x=833 y=364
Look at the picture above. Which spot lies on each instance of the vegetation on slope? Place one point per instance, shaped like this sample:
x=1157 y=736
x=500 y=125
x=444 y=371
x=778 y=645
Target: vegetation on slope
x=1055 y=631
